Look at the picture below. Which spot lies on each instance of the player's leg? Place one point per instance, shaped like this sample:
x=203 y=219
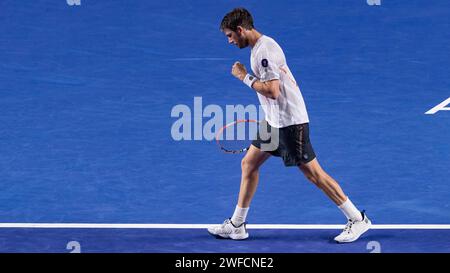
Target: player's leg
x=250 y=174
x=234 y=228
x=314 y=173
x=358 y=223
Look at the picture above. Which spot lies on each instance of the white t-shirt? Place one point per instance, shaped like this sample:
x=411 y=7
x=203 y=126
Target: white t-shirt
x=269 y=63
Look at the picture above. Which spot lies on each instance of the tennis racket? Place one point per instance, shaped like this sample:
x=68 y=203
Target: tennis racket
x=236 y=136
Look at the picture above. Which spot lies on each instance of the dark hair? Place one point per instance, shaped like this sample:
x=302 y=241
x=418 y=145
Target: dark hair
x=237 y=17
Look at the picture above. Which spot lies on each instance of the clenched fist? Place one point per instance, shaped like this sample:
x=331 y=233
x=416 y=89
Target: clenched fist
x=238 y=70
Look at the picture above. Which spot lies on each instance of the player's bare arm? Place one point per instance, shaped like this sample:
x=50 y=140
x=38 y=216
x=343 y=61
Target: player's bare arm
x=269 y=89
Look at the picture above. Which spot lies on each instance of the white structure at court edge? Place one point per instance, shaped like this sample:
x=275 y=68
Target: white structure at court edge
x=440 y=107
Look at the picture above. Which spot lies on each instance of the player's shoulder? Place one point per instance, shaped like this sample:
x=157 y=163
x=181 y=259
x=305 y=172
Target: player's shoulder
x=268 y=40
x=268 y=44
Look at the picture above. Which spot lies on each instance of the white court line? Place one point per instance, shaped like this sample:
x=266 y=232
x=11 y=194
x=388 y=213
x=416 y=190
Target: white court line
x=203 y=226
x=199 y=59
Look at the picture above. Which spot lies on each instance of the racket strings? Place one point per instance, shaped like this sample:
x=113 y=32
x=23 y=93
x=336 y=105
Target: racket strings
x=236 y=137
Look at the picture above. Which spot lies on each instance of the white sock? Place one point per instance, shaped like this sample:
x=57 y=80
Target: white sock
x=239 y=216
x=350 y=211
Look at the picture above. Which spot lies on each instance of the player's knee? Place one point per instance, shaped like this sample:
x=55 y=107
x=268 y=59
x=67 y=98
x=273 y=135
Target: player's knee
x=247 y=166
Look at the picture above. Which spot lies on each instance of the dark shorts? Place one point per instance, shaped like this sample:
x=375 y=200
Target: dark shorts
x=293 y=144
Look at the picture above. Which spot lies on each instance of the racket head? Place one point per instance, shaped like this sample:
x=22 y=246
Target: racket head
x=235 y=137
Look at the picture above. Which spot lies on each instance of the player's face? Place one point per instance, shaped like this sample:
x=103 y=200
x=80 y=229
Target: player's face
x=236 y=38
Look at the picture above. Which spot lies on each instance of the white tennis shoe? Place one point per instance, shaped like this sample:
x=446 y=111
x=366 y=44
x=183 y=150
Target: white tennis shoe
x=229 y=231
x=354 y=229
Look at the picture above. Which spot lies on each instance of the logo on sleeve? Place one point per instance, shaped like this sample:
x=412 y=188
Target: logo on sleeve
x=264 y=62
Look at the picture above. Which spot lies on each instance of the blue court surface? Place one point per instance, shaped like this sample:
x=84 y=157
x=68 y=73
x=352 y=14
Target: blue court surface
x=87 y=92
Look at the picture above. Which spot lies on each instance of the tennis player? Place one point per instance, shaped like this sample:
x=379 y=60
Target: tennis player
x=285 y=114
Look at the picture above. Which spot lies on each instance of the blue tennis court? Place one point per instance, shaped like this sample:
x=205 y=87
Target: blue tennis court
x=87 y=92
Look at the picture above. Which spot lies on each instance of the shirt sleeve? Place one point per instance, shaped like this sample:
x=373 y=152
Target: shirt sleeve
x=267 y=65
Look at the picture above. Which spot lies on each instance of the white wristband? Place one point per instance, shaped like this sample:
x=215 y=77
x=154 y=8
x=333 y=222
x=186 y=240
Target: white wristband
x=249 y=80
